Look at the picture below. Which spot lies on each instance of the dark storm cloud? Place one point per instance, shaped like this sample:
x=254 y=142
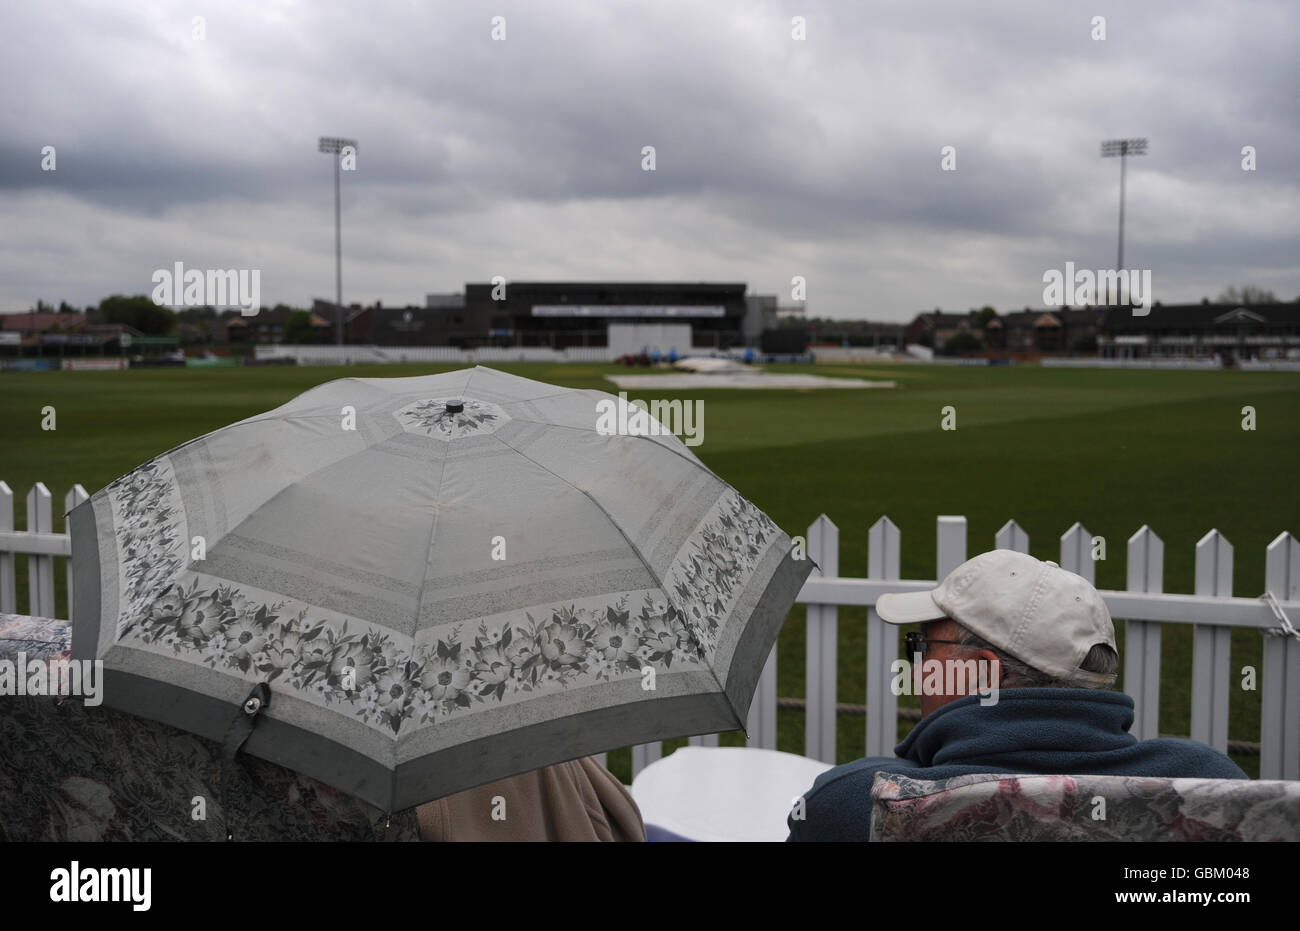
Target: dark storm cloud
x=832 y=144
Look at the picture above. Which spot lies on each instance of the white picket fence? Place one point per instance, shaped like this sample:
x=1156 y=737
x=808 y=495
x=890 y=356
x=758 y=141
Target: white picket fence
x=1212 y=611
x=40 y=543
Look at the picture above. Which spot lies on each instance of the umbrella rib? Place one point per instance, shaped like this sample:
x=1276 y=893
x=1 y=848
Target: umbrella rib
x=433 y=532
x=635 y=549
x=428 y=553
x=252 y=418
x=631 y=436
x=542 y=397
x=189 y=563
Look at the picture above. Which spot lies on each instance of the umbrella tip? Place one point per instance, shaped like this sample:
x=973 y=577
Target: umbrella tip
x=455 y=407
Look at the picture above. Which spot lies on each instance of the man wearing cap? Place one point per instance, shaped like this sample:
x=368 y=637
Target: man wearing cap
x=1047 y=635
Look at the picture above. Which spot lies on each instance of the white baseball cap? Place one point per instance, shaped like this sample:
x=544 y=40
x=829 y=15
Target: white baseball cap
x=1035 y=611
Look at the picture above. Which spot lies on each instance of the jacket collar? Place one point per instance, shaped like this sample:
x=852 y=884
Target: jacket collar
x=1071 y=721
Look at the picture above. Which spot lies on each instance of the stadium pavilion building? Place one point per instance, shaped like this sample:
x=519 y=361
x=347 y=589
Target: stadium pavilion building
x=1253 y=331
x=623 y=316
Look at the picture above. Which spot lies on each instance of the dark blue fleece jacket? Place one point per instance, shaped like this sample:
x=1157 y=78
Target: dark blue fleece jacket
x=1034 y=730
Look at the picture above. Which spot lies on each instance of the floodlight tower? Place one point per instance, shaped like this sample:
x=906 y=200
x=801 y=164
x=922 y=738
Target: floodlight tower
x=1123 y=148
x=336 y=145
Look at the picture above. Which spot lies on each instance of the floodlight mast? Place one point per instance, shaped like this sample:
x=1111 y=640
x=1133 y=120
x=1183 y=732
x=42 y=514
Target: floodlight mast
x=1123 y=148
x=336 y=145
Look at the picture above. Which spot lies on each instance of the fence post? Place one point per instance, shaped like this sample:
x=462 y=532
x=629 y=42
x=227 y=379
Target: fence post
x=40 y=568
x=1011 y=537
x=1211 y=646
x=8 y=598
x=1146 y=573
x=1279 y=739
x=1076 y=552
x=761 y=722
x=822 y=650
x=70 y=501
x=950 y=545
x=883 y=549
x=645 y=754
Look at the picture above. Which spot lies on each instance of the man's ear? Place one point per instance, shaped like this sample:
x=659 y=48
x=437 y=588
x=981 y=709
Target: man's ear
x=994 y=666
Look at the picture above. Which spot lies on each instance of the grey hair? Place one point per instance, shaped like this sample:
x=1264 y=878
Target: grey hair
x=1016 y=674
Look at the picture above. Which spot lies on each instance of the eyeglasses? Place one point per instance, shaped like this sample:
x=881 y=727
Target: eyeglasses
x=916 y=643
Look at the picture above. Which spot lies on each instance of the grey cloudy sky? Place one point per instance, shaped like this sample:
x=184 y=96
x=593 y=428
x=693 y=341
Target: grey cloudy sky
x=775 y=157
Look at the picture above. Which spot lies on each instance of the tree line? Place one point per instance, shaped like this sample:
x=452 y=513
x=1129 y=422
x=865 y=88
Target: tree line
x=140 y=313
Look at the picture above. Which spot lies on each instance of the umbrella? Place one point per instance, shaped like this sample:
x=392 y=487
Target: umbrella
x=406 y=587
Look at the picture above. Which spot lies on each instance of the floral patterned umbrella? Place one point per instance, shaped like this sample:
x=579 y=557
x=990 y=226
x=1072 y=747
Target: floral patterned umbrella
x=442 y=580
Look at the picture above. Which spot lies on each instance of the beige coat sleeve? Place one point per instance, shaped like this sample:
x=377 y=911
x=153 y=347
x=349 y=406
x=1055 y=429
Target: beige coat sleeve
x=575 y=801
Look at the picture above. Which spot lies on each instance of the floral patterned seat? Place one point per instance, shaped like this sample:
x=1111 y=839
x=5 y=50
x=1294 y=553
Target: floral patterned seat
x=70 y=772
x=998 y=807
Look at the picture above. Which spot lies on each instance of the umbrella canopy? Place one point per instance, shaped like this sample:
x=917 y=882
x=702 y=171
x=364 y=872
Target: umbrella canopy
x=442 y=580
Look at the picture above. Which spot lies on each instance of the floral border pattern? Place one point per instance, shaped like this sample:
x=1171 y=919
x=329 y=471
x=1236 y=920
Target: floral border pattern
x=385 y=680
x=148 y=525
x=430 y=417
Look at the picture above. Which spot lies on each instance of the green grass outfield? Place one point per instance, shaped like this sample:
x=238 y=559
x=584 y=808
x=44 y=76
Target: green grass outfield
x=1047 y=447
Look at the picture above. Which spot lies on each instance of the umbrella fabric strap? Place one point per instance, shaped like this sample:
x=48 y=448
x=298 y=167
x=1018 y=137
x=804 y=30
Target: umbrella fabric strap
x=241 y=727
